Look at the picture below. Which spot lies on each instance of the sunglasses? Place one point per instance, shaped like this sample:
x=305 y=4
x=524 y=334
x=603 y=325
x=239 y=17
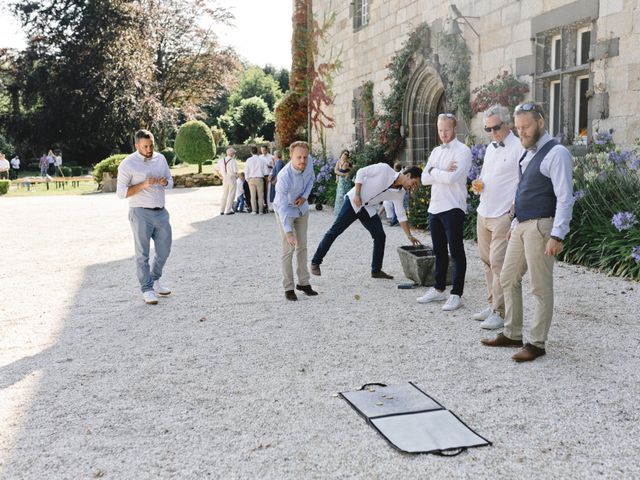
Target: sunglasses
x=447 y=115
x=528 y=107
x=495 y=128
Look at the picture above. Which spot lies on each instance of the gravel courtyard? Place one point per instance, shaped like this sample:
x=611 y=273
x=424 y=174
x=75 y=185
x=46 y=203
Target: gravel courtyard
x=226 y=379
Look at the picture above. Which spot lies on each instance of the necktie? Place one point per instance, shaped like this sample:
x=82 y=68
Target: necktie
x=496 y=145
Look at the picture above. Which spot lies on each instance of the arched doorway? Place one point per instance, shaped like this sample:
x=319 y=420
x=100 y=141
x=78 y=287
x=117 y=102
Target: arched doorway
x=423 y=101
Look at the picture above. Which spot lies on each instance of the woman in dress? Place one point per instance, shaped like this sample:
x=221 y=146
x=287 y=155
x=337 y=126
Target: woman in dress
x=343 y=171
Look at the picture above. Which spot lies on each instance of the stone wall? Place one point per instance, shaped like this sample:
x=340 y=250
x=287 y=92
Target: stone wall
x=508 y=40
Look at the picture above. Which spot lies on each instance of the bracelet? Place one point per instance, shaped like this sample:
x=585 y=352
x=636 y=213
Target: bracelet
x=557 y=239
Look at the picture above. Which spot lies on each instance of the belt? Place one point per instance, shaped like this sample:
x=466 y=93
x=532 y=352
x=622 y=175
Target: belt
x=155 y=208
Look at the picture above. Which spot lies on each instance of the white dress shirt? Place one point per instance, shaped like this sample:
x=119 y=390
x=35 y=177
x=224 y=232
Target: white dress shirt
x=500 y=177
x=267 y=164
x=448 y=189
x=254 y=167
x=231 y=166
x=291 y=185
x=558 y=166
x=376 y=187
x=136 y=169
x=4 y=165
x=15 y=163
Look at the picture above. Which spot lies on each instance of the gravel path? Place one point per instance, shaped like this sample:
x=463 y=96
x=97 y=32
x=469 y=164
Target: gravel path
x=225 y=379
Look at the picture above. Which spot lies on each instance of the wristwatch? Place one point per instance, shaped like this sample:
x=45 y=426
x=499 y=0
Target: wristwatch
x=557 y=239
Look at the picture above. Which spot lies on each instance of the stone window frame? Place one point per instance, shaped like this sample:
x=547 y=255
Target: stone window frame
x=357 y=113
x=361 y=13
x=563 y=113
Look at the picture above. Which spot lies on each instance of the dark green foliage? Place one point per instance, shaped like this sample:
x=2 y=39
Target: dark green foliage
x=4 y=186
x=194 y=143
x=5 y=146
x=255 y=83
x=108 y=165
x=418 y=204
x=603 y=189
x=251 y=115
x=66 y=171
x=455 y=73
x=76 y=171
x=169 y=154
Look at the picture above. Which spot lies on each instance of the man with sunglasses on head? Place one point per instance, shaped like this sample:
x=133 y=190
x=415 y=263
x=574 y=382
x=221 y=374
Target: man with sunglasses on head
x=496 y=186
x=543 y=207
x=446 y=172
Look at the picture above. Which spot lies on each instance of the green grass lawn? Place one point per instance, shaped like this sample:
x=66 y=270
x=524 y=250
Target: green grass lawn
x=40 y=189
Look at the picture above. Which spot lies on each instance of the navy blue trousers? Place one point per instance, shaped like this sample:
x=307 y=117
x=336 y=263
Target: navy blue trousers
x=447 y=230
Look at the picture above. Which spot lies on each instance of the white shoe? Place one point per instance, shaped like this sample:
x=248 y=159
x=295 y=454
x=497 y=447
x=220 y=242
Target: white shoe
x=493 y=322
x=150 y=297
x=161 y=289
x=432 y=295
x=254 y=213
x=483 y=314
x=453 y=303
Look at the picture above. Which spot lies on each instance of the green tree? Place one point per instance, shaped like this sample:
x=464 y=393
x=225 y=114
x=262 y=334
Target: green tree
x=194 y=143
x=255 y=83
x=251 y=114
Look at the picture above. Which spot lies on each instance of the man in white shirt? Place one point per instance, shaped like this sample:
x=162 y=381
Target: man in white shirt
x=142 y=178
x=227 y=168
x=15 y=166
x=373 y=184
x=542 y=208
x=254 y=172
x=446 y=172
x=496 y=186
x=4 y=167
x=267 y=160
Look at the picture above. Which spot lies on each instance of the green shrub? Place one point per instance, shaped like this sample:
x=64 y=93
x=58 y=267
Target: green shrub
x=66 y=171
x=169 y=154
x=207 y=162
x=108 y=165
x=4 y=186
x=194 y=143
x=76 y=171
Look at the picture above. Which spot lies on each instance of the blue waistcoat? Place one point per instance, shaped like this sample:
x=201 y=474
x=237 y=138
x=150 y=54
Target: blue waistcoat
x=535 y=197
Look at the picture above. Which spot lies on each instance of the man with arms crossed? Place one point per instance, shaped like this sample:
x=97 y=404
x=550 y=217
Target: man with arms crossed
x=496 y=186
x=446 y=172
x=142 y=178
x=293 y=187
x=543 y=207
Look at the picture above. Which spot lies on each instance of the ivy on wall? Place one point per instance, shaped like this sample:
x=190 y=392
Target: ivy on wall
x=455 y=73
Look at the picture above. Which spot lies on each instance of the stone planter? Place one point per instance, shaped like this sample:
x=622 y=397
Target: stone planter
x=419 y=263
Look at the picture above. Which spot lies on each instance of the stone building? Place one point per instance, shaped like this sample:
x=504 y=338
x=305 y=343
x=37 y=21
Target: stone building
x=580 y=58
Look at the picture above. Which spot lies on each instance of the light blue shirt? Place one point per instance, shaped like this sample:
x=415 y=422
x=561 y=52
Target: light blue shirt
x=291 y=185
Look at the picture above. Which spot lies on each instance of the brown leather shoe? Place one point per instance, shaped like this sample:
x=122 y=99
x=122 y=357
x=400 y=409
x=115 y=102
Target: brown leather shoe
x=381 y=274
x=528 y=352
x=501 y=341
x=307 y=290
x=315 y=269
x=290 y=295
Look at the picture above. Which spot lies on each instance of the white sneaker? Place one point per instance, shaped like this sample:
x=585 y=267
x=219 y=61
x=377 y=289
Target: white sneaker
x=150 y=297
x=493 y=322
x=483 y=314
x=161 y=289
x=432 y=295
x=453 y=303
x=254 y=213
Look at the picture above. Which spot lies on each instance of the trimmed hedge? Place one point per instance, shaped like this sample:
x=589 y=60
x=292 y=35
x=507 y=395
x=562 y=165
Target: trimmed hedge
x=194 y=143
x=4 y=186
x=108 y=165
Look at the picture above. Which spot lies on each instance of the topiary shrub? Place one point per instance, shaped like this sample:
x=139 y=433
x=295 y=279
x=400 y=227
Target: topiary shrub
x=4 y=186
x=169 y=154
x=194 y=143
x=108 y=165
x=76 y=171
x=66 y=171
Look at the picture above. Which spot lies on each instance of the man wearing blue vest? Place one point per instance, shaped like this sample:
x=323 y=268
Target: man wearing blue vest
x=543 y=206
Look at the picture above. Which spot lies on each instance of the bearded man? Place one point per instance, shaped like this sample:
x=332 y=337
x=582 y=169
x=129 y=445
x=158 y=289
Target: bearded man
x=543 y=207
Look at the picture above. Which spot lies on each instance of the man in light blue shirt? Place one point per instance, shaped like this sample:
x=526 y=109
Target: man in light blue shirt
x=293 y=187
x=142 y=179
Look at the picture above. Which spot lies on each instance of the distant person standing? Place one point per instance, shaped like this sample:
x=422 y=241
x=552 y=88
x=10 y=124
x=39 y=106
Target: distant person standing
x=267 y=162
x=15 y=166
x=44 y=165
x=343 y=178
x=142 y=178
x=293 y=187
x=227 y=167
x=4 y=167
x=254 y=171
x=57 y=161
x=240 y=183
x=278 y=164
x=51 y=161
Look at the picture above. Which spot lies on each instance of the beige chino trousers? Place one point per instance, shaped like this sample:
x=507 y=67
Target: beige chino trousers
x=228 y=193
x=299 y=225
x=256 y=187
x=492 y=243
x=526 y=251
